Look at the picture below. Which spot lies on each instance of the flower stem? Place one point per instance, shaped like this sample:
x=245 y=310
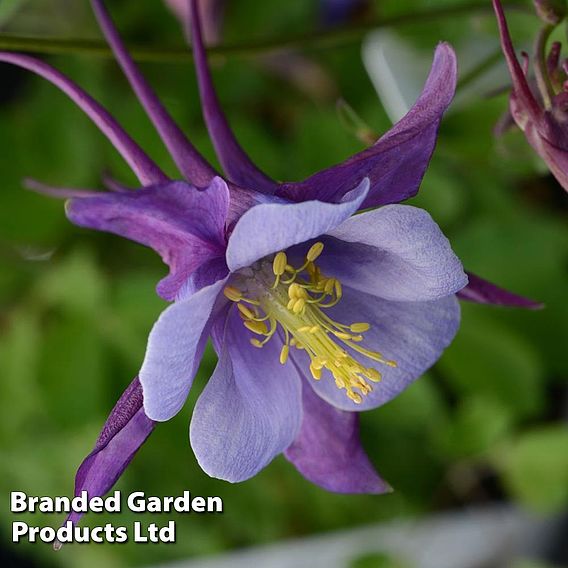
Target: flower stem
x=315 y=40
x=484 y=65
x=540 y=68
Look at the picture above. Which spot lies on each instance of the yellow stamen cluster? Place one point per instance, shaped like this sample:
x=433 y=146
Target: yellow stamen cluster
x=295 y=301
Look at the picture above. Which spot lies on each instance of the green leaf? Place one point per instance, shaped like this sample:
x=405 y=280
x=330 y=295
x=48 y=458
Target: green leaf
x=75 y=285
x=20 y=400
x=400 y=439
x=8 y=9
x=441 y=194
x=377 y=560
x=479 y=425
x=491 y=359
x=73 y=370
x=535 y=468
x=531 y=564
x=524 y=251
x=419 y=407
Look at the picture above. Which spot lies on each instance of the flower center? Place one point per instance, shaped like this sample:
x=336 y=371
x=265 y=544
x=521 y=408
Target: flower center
x=275 y=295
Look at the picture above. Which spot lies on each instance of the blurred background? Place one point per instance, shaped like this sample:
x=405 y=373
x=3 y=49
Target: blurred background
x=477 y=450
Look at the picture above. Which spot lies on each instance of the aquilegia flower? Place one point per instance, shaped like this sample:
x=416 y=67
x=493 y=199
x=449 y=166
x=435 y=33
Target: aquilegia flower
x=315 y=313
x=540 y=107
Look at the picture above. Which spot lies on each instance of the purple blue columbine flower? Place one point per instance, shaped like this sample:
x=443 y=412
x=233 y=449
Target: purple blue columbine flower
x=539 y=106
x=315 y=310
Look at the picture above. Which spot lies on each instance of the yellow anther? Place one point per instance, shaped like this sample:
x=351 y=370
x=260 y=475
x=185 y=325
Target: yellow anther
x=315 y=250
x=318 y=363
x=284 y=354
x=293 y=291
x=316 y=373
x=359 y=327
x=245 y=311
x=338 y=288
x=294 y=306
x=373 y=375
x=355 y=397
x=257 y=327
x=342 y=335
x=299 y=305
x=279 y=264
x=391 y=364
x=233 y=294
x=296 y=291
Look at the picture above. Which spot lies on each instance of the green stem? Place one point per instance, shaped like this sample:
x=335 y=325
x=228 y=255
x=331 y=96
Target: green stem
x=477 y=71
x=317 y=40
x=540 y=68
x=355 y=124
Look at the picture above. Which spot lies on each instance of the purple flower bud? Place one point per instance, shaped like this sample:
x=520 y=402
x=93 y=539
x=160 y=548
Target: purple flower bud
x=545 y=128
x=551 y=11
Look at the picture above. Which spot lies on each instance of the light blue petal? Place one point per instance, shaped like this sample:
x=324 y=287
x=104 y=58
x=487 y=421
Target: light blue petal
x=396 y=252
x=174 y=350
x=249 y=412
x=269 y=228
x=414 y=334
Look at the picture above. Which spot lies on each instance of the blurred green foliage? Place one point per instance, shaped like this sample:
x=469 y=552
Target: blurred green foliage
x=76 y=307
x=531 y=564
x=377 y=561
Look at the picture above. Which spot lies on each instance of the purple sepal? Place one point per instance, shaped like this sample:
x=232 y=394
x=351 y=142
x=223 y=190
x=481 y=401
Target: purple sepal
x=396 y=163
x=482 y=291
x=146 y=170
x=185 y=225
x=58 y=192
x=236 y=163
x=188 y=160
x=328 y=452
x=124 y=432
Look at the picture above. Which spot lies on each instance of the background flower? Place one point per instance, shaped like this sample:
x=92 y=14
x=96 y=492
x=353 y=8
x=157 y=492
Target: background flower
x=539 y=106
